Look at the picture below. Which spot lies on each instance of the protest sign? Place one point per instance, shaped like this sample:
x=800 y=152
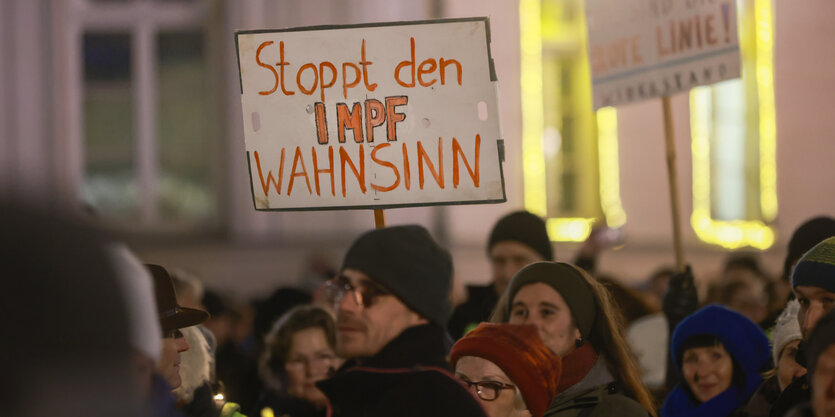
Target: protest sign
x=371 y=116
x=640 y=49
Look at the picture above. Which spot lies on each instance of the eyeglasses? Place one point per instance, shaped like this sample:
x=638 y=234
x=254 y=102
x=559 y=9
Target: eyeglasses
x=488 y=390
x=364 y=296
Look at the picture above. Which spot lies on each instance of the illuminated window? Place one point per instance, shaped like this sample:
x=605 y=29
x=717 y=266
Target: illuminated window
x=568 y=150
x=734 y=143
x=147 y=136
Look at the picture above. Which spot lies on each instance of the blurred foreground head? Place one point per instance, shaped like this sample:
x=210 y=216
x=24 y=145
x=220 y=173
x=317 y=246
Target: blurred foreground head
x=66 y=347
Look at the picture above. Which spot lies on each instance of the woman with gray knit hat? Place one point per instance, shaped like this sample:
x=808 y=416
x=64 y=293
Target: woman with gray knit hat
x=577 y=320
x=784 y=346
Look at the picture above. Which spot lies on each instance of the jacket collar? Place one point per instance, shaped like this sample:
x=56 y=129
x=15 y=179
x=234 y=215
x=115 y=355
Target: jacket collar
x=360 y=379
x=589 y=391
x=425 y=345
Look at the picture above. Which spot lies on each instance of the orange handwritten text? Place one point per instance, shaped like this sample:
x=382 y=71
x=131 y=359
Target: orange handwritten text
x=426 y=68
x=311 y=76
x=376 y=113
x=389 y=169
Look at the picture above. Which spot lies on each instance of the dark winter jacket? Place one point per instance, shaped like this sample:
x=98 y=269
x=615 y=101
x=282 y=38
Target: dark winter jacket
x=596 y=395
x=408 y=377
x=162 y=402
x=477 y=308
x=745 y=343
x=795 y=394
x=763 y=399
x=202 y=403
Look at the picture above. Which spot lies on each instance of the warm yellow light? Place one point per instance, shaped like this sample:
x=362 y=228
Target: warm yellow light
x=219 y=397
x=607 y=139
x=267 y=412
x=569 y=229
x=533 y=154
x=738 y=233
x=768 y=117
x=533 y=161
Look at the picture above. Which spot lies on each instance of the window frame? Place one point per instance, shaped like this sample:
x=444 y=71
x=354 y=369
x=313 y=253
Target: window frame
x=143 y=21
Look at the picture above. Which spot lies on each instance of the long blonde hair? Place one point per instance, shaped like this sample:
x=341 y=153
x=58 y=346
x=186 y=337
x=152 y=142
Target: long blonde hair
x=607 y=338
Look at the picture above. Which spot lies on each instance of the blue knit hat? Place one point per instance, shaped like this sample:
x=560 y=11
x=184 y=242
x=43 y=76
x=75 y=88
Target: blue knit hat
x=746 y=344
x=742 y=338
x=816 y=268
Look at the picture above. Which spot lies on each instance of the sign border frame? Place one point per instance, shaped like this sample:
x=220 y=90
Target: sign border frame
x=493 y=78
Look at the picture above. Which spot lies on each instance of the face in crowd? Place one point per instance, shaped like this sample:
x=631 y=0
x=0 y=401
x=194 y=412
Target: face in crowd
x=309 y=360
x=494 y=389
x=823 y=384
x=815 y=302
x=507 y=258
x=787 y=367
x=539 y=304
x=368 y=317
x=173 y=344
x=708 y=370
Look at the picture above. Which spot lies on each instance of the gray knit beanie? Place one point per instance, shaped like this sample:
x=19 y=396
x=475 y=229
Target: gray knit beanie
x=786 y=331
x=523 y=227
x=407 y=261
x=566 y=280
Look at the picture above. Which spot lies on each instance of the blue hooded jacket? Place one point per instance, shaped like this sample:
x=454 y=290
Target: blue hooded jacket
x=743 y=340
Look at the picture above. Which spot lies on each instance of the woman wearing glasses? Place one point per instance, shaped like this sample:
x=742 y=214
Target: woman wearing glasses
x=508 y=368
x=577 y=320
x=299 y=351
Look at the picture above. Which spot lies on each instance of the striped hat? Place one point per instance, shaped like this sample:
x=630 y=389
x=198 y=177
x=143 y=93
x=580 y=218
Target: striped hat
x=816 y=268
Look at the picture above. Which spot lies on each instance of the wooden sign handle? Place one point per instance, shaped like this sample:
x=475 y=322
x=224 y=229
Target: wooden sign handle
x=672 y=175
x=379 y=218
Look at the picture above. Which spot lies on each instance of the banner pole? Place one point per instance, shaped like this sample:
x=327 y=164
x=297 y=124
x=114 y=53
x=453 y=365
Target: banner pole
x=672 y=175
x=379 y=218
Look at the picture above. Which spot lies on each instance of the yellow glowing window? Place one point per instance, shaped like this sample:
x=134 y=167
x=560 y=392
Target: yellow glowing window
x=569 y=152
x=734 y=138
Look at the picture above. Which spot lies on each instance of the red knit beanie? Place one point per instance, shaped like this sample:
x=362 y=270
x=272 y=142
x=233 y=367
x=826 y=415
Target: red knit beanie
x=520 y=353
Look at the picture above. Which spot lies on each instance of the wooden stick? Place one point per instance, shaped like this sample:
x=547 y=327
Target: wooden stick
x=379 y=218
x=672 y=175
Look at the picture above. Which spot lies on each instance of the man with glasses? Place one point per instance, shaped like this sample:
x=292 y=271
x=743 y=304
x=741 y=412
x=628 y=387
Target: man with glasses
x=392 y=304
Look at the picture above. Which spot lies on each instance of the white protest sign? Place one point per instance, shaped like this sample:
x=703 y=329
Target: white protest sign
x=371 y=116
x=640 y=49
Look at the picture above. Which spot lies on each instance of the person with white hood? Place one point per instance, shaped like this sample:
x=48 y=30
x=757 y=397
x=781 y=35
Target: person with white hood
x=784 y=345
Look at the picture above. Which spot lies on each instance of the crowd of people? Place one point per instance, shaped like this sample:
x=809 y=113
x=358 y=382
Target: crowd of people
x=93 y=331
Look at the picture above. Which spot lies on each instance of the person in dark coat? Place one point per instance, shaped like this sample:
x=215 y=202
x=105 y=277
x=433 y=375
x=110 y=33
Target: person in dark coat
x=66 y=348
x=517 y=239
x=392 y=304
x=821 y=359
x=785 y=339
x=299 y=351
x=172 y=318
x=813 y=282
x=719 y=353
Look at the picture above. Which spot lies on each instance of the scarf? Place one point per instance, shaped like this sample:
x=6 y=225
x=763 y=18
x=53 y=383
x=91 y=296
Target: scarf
x=575 y=366
x=680 y=404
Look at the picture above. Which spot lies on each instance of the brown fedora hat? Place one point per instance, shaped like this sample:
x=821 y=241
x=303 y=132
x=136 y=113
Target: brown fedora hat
x=171 y=314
